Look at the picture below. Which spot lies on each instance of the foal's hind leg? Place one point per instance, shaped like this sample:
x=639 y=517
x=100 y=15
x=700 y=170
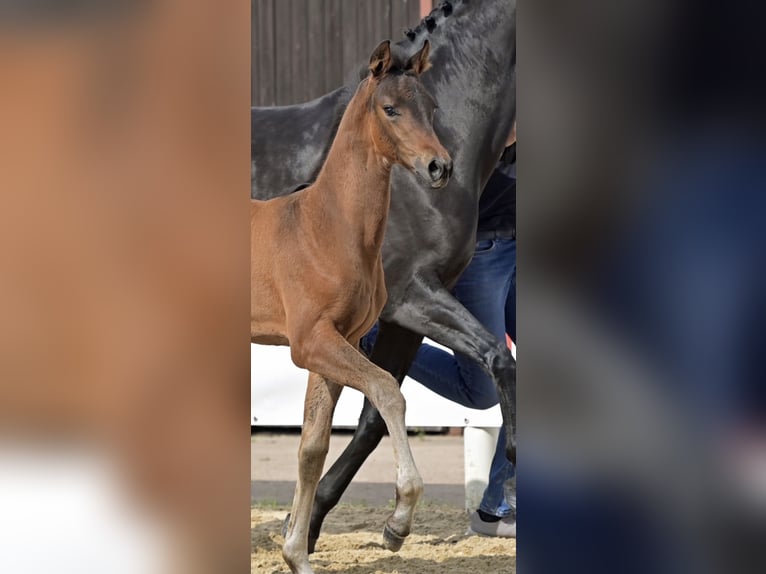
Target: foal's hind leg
x=321 y=397
x=328 y=353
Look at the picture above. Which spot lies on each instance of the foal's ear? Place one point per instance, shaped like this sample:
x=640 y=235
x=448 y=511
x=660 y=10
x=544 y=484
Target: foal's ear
x=419 y=63
x=380 y=61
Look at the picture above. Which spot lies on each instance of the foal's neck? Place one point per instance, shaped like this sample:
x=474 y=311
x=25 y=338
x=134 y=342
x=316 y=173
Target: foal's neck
x=352 y=188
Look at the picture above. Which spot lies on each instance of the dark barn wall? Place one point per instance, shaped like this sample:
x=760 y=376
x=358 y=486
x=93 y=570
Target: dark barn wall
x=302 y=49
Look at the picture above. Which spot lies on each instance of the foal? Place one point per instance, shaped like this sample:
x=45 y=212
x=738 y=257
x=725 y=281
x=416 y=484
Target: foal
x=317 y=274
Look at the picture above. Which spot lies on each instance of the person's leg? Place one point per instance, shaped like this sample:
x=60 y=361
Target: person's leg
x=510 y=302
x=493 y=503
x=496 y=515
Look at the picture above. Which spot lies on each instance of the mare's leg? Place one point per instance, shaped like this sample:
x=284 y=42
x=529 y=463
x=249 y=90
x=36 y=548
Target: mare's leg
x=321 y=397
x=433 y=311
x=394 y=351
x=325 y=351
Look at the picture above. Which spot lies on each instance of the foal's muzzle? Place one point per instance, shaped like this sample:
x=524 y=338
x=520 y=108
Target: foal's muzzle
x=439 y=170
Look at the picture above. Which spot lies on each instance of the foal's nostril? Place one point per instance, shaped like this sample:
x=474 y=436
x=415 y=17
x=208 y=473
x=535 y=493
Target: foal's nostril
x=435 y=170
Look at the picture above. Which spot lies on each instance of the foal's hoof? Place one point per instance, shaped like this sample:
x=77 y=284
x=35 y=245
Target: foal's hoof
x=392 y=540
x=285 y=525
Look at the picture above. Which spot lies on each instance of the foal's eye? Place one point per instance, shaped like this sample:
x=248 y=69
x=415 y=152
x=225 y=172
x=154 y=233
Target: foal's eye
x=390 y=111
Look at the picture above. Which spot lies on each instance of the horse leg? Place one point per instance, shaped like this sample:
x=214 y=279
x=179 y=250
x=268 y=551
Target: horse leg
x=394 y=351
x=321 y=397
x=328 y=353
x=433 y=311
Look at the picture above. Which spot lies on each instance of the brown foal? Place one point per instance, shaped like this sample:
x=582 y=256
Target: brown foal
x=317 y=274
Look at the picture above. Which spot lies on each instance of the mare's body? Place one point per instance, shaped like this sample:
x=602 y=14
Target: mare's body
x=317 y=274
x=430 y=236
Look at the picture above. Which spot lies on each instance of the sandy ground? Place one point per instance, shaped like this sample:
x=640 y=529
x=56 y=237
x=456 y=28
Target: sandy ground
x=351 y=544
x=274 y=468
x=351 y=538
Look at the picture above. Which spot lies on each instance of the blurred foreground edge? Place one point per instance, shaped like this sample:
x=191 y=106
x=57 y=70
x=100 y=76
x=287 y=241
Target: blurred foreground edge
x=641 y=304
x=123 y=294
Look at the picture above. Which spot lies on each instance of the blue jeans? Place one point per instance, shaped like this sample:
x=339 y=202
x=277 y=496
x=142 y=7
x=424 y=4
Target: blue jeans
x=487 y=289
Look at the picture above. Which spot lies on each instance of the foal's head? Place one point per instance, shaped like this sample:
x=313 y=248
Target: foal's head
x=402 y=113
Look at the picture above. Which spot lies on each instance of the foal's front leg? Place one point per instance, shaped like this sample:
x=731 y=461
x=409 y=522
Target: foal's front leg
x=328 y=353
x=321 y=397
x=394 y=351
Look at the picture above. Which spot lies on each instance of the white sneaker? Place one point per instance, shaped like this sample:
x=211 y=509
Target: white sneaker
x=503 y=528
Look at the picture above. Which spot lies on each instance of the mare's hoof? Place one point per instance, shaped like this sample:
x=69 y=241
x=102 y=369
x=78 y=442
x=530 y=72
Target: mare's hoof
x=312 y=544
x=392 y=540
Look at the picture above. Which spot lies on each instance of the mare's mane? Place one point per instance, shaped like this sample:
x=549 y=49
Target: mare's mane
x=414 y=36
x=430 y=22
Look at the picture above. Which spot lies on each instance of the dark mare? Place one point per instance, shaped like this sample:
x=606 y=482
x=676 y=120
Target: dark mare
x=430 y=236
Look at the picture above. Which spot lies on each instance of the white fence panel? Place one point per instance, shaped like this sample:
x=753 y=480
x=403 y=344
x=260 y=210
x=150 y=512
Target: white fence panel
x=278 y=388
